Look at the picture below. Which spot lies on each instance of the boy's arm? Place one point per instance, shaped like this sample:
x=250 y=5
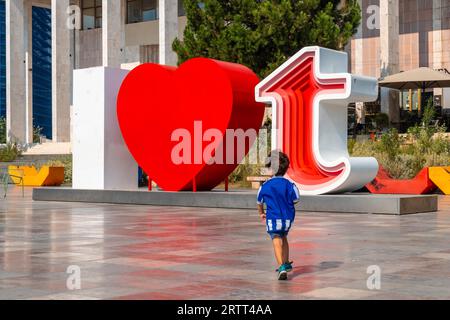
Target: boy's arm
x=296 y=195
x=260 y=202
x=261 y=212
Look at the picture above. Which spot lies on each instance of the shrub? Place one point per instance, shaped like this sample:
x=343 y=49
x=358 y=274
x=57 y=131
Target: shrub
x=403 y=157
x=2 y=130
x=9 y=152
x=243 y=171
x=389 y=144
x=37 y=132
x=351 y=145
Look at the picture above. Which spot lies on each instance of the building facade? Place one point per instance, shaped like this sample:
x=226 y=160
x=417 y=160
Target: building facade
x=401 y=35
x=2 y=60
x=41 y=56
x=43 y=41
x=42 y=70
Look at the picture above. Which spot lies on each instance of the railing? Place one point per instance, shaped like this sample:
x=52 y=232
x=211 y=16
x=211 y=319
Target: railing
x=4 y=178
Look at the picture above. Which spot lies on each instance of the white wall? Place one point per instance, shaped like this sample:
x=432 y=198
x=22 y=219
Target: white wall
x=101 y=159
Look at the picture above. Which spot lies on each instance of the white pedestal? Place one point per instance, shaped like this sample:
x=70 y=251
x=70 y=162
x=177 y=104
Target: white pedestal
x=101 y=160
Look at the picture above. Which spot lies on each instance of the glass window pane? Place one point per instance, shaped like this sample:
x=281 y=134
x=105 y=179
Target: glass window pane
x=88 y=3
x=149 y=15
x=149 y=10
x=89 y=19
x=181 y=11
x=149 y=4
x=134 y=12
x=98 y=3
x=98 y=22
x=98 y=12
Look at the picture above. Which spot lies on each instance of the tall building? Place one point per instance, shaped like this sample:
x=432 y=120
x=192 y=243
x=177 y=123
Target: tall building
x=43 y=41
x=42 y=70
x=401 y=35
x=40 y=66
x=2 y=60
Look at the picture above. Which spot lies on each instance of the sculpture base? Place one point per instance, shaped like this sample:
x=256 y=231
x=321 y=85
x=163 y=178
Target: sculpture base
x=342 y=203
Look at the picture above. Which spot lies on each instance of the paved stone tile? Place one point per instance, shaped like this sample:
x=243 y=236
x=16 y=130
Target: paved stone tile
x=188 y=253
x=140 y=262
x=338 y=293
x=21 y=293
x=437 y=255
x=151 y=296
x=419 y=290
x=143 y=252
x=106 y=293
x=393 y=296
x=64 y=296
x=8 y=275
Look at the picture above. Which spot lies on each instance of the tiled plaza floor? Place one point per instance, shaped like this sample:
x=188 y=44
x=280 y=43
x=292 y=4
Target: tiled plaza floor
x=143 y=252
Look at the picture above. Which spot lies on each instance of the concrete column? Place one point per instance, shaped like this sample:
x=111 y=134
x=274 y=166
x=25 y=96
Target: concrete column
x=358 y=43
x=389 y=37
x=360 y=112
x=168 y=31
x=29 y=71
x=437 y=40
x=113 y=32
x=358 y=54
x=437 y=34
x=16 y=80
x=76 y=48
x=62 y=66
x=389 y=55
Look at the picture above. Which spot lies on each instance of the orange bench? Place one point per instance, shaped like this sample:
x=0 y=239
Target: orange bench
x=29 y=176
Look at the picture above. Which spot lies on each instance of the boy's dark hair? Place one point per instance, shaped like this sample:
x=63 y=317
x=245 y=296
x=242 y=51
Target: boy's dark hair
x=281 y=162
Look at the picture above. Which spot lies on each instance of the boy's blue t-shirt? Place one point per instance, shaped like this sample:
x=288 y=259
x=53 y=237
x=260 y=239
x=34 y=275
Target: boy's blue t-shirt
x=280 y=195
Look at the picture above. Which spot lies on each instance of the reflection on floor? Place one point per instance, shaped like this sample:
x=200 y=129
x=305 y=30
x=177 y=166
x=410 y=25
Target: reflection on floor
x=142 y=252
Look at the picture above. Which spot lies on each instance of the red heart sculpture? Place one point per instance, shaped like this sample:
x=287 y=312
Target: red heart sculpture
x=156 y=101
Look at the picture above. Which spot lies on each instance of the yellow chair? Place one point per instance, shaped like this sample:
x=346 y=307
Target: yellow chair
x=440 y=176
x=30 y=177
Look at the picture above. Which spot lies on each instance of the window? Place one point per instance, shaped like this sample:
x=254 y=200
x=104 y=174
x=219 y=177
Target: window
x=142 y=10
x=181 y=11
x=92 y=14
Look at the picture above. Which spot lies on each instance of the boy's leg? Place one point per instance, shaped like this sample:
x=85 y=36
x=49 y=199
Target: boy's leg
x=278 y=249
x=285 y=250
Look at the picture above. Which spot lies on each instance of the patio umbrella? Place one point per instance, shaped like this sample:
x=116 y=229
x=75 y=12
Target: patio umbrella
x=421 y=78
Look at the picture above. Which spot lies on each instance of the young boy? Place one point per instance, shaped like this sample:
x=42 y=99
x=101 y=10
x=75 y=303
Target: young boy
x=279 y=195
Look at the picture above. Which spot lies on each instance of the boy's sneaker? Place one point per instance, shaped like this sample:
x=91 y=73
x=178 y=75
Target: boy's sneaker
x=282 y=273
x=288 y=266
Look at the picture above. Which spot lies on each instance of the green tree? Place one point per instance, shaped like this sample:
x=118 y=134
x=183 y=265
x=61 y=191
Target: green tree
x=262 y=34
